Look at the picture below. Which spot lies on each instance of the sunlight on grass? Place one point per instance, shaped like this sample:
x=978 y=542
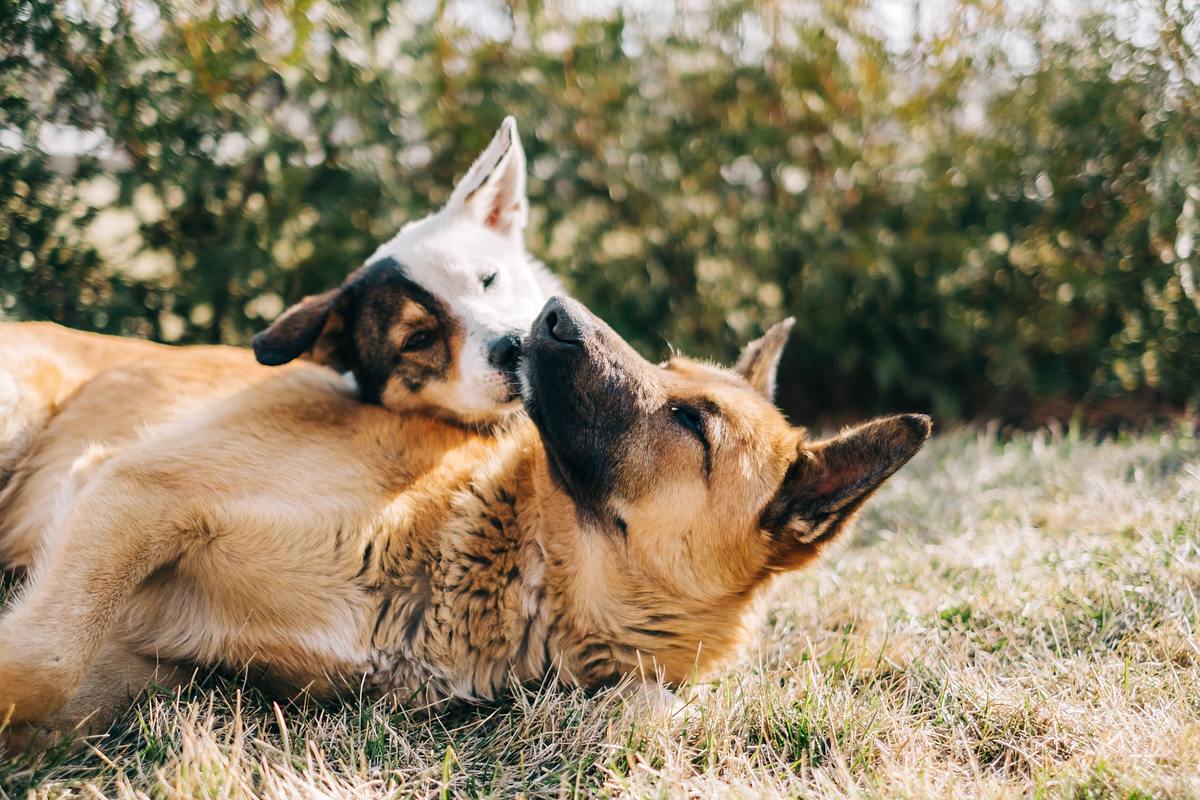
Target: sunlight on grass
x=1011 y=617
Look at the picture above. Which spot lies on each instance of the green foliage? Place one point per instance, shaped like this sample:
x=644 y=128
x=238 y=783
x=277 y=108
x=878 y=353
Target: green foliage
x=998 y=217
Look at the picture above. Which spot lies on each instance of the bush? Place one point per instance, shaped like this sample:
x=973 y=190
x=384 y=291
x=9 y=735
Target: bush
x=996 y=220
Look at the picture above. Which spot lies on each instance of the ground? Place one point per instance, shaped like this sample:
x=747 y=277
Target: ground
x=1011 y=617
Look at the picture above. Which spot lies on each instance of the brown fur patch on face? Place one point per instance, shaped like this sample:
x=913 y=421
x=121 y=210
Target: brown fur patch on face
x=426 y=347
x=393 y=335
x=404 y=338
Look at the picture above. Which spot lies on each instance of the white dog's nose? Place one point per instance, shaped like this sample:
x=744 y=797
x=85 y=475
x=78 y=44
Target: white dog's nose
x=504 y=353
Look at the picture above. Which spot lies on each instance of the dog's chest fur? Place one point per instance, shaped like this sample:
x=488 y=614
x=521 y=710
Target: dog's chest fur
x=459 y=601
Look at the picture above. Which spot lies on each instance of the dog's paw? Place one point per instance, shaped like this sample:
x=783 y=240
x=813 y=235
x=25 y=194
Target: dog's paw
x=651 y=697
x=31 y=689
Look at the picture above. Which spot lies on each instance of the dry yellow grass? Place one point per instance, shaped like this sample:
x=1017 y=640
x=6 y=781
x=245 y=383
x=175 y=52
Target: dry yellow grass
x=1010 y=618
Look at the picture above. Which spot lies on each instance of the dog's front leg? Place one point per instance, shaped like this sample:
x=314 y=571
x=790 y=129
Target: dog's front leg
x=117 y=675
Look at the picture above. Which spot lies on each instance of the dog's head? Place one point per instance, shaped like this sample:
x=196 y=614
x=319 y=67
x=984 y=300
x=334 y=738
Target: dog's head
x=691 y=487
x=433 y=320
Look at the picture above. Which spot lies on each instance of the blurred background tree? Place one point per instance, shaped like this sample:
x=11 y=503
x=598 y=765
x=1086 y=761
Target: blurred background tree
x=995 y=217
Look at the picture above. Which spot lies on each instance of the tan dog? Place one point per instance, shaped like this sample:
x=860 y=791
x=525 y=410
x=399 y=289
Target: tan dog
x=329 y=544
x=432 y=323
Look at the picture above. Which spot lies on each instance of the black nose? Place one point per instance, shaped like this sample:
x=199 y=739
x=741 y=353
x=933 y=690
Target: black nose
x=505 y=353
x=558 y=321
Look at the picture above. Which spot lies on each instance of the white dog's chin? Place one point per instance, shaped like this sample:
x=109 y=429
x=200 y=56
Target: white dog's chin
x=490 y=401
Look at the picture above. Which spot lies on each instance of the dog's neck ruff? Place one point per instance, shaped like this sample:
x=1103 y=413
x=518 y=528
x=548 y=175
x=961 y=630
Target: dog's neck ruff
x=494 y=582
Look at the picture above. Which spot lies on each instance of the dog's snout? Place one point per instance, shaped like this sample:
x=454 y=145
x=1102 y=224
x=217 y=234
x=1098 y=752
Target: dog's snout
x=559 y=323
x=505 y=353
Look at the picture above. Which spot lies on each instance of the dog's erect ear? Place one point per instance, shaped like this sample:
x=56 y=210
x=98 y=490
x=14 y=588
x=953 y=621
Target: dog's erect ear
x=829 y=481
x=492 y=193
x=313 y=326
x=759 y=360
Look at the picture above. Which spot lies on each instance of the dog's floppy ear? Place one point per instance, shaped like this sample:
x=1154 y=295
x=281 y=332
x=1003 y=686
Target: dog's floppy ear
x=313 y=326
x=829 y=481
x=492 y=193
x=759 y=360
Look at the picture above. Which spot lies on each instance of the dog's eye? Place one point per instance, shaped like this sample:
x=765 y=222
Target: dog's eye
x=692 y=420
x=421 y=340
x=487 y=280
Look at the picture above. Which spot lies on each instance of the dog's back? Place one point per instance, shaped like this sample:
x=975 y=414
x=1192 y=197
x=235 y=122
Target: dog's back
x=41 y=365
x=116 y=388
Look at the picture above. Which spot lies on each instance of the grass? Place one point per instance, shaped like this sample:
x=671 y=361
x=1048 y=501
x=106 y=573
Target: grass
x=1011 y=618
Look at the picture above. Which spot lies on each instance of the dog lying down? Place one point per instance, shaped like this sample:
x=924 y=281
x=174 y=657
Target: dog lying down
x=431 y=323
x=622 y=528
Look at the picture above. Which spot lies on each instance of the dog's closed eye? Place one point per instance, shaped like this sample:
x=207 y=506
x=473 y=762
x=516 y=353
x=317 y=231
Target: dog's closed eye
x=691 y=420
x=488 y=279
x=421 y=340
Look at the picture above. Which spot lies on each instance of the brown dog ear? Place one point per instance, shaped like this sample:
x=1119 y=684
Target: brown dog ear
x=828 y=482
x=313 y=326
x=759 y=360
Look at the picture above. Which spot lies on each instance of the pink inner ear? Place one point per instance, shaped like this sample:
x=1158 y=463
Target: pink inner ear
x=493 y=218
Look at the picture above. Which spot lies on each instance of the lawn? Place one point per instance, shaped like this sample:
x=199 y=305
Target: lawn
x=1010 y=617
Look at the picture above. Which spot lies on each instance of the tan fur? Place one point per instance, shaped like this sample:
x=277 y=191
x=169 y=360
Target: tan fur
x=132 y=385
x=43 y=365
x=328 y=545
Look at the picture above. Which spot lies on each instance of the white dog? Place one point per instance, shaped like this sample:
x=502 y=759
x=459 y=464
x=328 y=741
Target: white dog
x=431 y=323
x=460 y=285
